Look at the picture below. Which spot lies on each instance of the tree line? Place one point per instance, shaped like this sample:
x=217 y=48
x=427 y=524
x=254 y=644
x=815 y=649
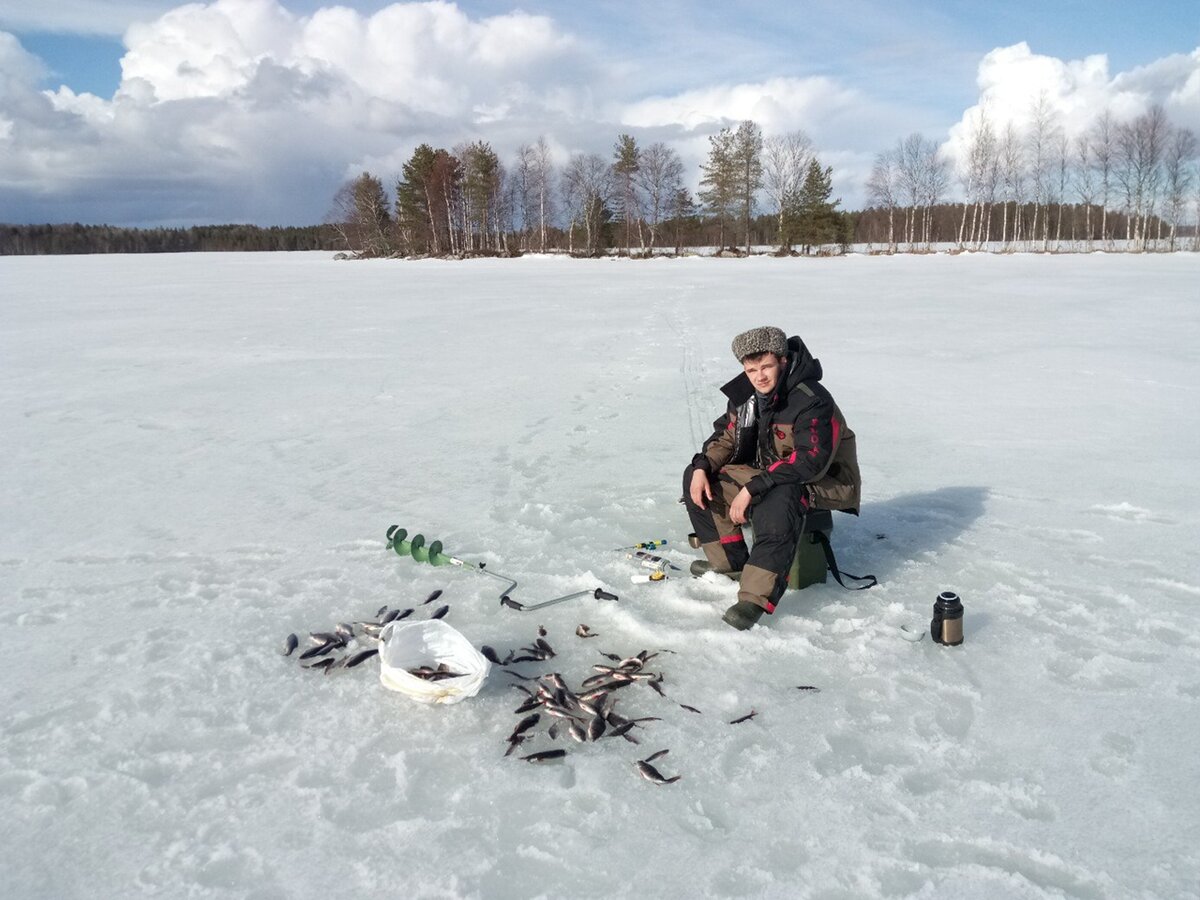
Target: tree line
x=1132 y=182
x=75 y=238
x=465 y=201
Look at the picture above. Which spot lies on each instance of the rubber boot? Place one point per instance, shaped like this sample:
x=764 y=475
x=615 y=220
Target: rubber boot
x=743 y=614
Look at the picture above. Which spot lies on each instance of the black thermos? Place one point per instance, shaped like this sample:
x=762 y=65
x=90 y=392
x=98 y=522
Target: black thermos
x=946 y=627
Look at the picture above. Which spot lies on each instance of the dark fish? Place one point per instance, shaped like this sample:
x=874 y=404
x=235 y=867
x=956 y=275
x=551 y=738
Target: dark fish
x=324 y=637
x=611 y=656
x=545 y=647
x=432 y=596
x=531 y=703
x=389 y=616
x=527 y=658
x=360 y=657
x=337 y=664
x=382 y=610
x=653 y=756
x=691 y=708
x=514 y=674
x=746 y=718
x=576 y=731
x=524 y=725
x=441 y=612
x=652 y=774
x=656 y=683
x=345 y=629
x=510 y=602
x=322 y=663
x=623 y=729
x=513 y=745
x=404 y=615
x=545 y=756
x=541 y=631
x=555 y=681
x=490 y=655
x=553 y=731
x=595 y=728
x=584 y=632
x=319 y=651
x=292 y=643
x=808 y=687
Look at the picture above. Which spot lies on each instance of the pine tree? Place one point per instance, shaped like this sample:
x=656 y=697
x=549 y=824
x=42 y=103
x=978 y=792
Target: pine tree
x=811 y=218
x=718 y=185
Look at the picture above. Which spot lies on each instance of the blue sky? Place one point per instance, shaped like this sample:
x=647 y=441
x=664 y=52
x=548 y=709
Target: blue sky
x=856 y=76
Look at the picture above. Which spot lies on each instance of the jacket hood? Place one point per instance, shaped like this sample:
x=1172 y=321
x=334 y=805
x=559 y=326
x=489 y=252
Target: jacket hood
x=802 y=365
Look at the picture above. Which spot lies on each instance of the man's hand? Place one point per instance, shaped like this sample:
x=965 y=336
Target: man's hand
x=737 y=509
x=700 y=488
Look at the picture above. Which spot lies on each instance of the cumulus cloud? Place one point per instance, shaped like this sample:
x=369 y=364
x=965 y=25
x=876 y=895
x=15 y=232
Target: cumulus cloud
x=256 y=113
x=1012 y=80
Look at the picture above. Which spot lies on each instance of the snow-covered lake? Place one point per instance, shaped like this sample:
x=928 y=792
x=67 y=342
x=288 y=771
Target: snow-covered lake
x=202 y=454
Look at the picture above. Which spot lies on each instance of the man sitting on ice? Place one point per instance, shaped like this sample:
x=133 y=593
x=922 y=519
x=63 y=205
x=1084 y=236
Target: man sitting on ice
x=781 y=449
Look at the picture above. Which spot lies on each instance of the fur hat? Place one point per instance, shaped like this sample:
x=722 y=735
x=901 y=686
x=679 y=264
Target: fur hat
x=767 y=339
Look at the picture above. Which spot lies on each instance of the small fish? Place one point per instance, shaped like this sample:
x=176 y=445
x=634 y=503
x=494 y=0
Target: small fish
x=542 y=631
x=510 y=602
x=337 y=664
x=545 y=756
x=545 y=647
x=389 y=616
x=557 y=711
x=433 y=596
x=513 y=745
x=524 y=725
x=808 y=687
x=576 y=731
x=344 y=629
x=611 y=656
x=654 y=776
x=404 y=615
x=323 y=637
x=382 y=610
x=584 y=632
x=553 y=731
x=318 y=651
x=656 y=683
x=596 y=728
x=292 y=643
x=361 y=657
x=746 y=718
x=440 y=612
x=691 y=709
x=490 y=655
x=623 y=729
x=653 y=756
x=531 y=703
x=322 y=663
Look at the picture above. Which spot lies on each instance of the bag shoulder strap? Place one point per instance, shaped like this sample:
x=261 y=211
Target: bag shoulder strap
x=869 y=580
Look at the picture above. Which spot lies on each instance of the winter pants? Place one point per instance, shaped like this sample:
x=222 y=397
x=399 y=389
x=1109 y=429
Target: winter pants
x=777 y=516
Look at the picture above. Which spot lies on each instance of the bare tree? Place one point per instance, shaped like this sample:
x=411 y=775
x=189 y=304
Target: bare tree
x=1180 y=174
x=883 y=188
x=1140 y=145
x=587 y=193
x=1041 y=140
x=362 y=218
x=785 y=161
x=660 y=177
x=1085 y=184
x=974 y=174
x=1012 y=183
x=1102 y=139
x=542 y=188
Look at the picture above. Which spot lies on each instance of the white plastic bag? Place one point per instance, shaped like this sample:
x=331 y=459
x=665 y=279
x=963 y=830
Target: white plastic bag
x=410 y=645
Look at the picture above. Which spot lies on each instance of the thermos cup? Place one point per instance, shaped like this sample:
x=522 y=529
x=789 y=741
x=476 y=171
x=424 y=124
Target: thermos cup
x=947 y=625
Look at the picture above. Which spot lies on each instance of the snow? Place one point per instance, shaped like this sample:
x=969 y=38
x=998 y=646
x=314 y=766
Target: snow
x=202 y=454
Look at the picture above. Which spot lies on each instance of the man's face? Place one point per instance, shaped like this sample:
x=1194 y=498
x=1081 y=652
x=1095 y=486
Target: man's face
x=763 y=372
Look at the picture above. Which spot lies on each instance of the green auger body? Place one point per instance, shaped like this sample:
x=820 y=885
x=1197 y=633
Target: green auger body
x=415 y=547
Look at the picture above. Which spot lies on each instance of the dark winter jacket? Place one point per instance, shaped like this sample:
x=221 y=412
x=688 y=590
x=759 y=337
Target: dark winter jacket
x=801 y=436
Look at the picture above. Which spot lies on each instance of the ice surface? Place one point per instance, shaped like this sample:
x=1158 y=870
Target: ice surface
x=202 y=454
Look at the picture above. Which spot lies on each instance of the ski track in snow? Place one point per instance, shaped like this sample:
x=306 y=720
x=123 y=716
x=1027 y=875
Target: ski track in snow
x=189 y=480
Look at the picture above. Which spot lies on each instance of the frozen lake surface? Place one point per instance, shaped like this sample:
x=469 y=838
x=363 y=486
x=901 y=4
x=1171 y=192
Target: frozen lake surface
x=202 y=454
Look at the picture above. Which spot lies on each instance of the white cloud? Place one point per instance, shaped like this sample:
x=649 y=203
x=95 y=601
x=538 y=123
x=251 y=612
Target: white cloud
x=1012 y=79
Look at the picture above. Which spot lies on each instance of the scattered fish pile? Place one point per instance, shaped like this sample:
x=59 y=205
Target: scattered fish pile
x=359 y=641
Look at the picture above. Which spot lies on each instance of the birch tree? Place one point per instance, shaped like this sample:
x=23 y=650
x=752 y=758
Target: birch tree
x=883 y=189
x=785 y=160
x=660 y=177
x=1180 y=175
